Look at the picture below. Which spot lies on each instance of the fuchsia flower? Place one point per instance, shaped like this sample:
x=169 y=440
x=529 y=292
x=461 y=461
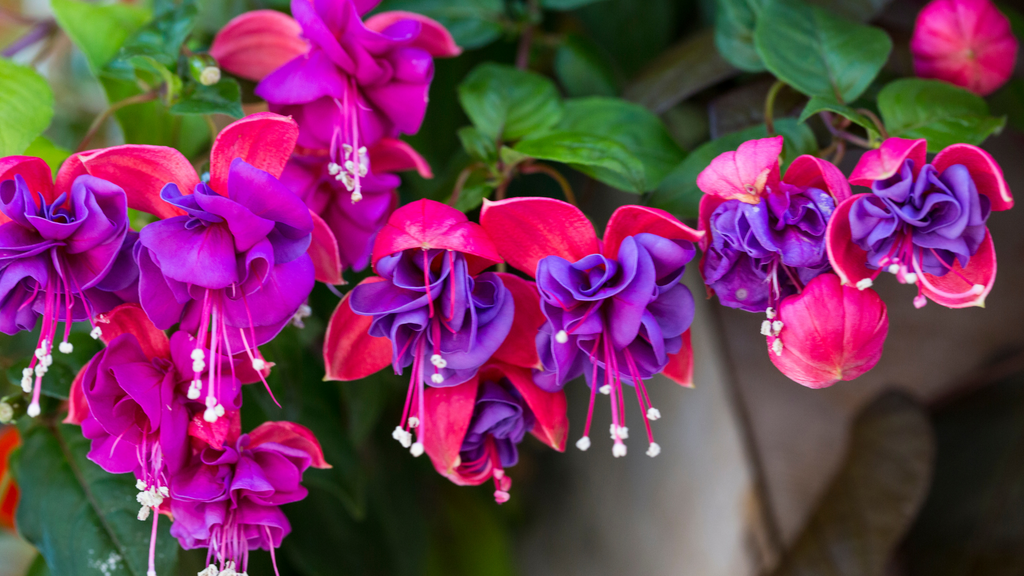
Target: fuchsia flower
x=228 y=498
x=832 y=333
x=616 y=312
x=477 y=426
x=968 y=43
x=59 y=256
x=923 y=222
x=431 y=302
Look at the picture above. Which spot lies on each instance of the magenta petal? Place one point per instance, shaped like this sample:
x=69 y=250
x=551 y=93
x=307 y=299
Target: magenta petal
x=323 y=250
x=291 y=435
x=632 y=220
x=743 y=174
x=811 y=172
x=131 y=319
x=394 y=155
x=264 y=140
x=254 y=44
x=204 y=256
x=433 y=37
x=984 y=170
x=35 y=172
x=303 y=80
x=158 y=299
x=273 y=305
x=848 y=260
x=404 y=101
x=887 y=160
x=449 y=411
x=78 y=406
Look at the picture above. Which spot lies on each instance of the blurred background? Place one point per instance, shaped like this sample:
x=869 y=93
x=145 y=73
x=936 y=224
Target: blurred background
x=914 y=469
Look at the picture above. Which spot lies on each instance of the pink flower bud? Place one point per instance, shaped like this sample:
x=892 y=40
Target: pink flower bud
x=830 y=333
x=964 y=42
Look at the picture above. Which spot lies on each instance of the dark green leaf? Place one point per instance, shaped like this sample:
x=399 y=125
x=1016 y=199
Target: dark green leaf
x=38 y=567
x=678 y=192
x=81 y=518
x=224 y=97
x=873 y=498
x=473 y=193
x=822 y=104
x=478 y=146
x=566 y=4
x=818 y=53
x=601 y=158
x=632 y=33
x=473 y=23
x=583 y=69
x=735 y=21
x=54 y=155
x=859 y=10
x=682 y=71
x=98 y=30
x=507 y=104
x=637 y=130
x=26 y=107
x=1009 y=102
x=162 y=37
x=467 y=539
x=940 y=112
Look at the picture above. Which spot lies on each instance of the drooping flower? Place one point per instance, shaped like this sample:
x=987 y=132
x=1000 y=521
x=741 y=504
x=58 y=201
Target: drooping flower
x=476 y=426
x=968 y=43
x=9 y=493
x=923 y=222
x=616 y=313
x=228 y=262
x=228 y=498
x=765 y=233
x=57 y=246
x=430 y=308
x=349 y=84
x=832 y=332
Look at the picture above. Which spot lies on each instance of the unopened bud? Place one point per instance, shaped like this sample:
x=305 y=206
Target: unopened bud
x=204 y=69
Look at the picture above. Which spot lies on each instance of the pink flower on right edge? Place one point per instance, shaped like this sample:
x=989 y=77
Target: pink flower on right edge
x=968 y=43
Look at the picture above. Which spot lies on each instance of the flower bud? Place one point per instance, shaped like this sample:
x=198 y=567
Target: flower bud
x=831 y=332
x=204 y=69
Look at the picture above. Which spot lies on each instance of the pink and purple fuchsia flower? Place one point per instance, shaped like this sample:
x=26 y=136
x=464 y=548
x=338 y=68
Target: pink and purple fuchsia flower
x=616 y=311
x=923 y=222
x=57 y=247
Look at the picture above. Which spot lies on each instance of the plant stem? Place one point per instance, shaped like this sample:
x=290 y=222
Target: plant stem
x=460 y=182
x=842 y=134
x=556 y=175
x=876 y=120
x=98 y=122
x=37 y=33
x=526 y=39
x=769 y=106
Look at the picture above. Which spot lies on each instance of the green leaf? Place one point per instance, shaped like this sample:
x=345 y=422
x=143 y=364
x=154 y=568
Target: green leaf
x=583 y=69
x=26 y=107
x=601 y=158
x=81 y=518
x=678 y=192
x=477 y=188
x=38 y=567
x=735 y=21
x=940 y=112
x=1009 y=101
x=473 y=23
x=823 y=104
x=859 y=10
x=507 y=104
x=818 y=53
x=873 y=498
x=98 y=30
x=162 y=37
x=52 y=154
x=566 y=4
x=467 y=540
x=478 y=146
x=680 y=72
x=224 y=97
x=632 y=33
x=634 y=127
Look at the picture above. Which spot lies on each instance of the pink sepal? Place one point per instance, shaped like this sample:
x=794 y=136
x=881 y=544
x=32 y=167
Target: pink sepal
x=224 y=430
x=433 y=37
x=35 y=171
x=265 y=140
x=958 y=282
x=254 y=44
x=449 y=410
x=520 y=346
x=632 y=219
x=141 y=170
x=394 y=155
x=426 y=224
x=291 y=435
x=985 y=172
x=743 y=174
x=350 y=353
x=78 y=406
x=549 y=408
x=529 y=229
x=848 y=260
x=810 y=172
x=323 y=250
x=680 y=364
x=887 y=160
x=131 y=319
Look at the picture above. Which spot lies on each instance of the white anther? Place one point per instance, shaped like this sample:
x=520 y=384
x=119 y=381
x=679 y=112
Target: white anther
x=198 y=365
x=561 y=337
x=347 y=148
x=583 y=443
x=194 y=390
x=150 y=572
x=143 y=514
x=416 y=450
x=209 y=76
x=6 y=413
x=864 y=283
x=766 y=328
x=333 y=169
x=777 y=347
x=606 y=389
x=219 y=409
x=777 y=327
x=96 y=332
x=397 y=433
x=414 y=422
x=438 y=361
x=653 y=413
x=66 y=347
x=210 y=415
x=404 y=438
x=259 y=364
x=436 y=378
x=977 y=289
x=33 y=410
x=47 y=360
x=623 y=432
x=140 y=485
x=910 y=278
x=770 y=312
x=40 y=352
x=41 y=370
x=210 y=570
x=26 y=379
x=893 y=269
x=619 y=450
x=356 y=196
x=198 y=354
x=164 y=491
x=349 y=182
x=653 y=450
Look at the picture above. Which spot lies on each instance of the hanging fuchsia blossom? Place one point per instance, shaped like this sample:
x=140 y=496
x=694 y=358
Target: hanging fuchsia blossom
x=442 y=316
x=228 y=498
x=57 y=248
x=965 y=42
x=476 y=426
x=923 y=222
x=616 y=312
